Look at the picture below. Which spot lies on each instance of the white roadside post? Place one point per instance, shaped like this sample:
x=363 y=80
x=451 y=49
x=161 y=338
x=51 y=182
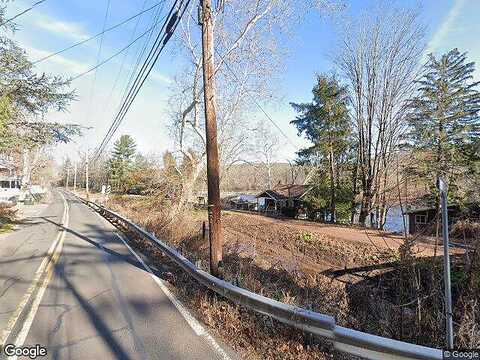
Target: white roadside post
x=108 y=190
x=443 y=188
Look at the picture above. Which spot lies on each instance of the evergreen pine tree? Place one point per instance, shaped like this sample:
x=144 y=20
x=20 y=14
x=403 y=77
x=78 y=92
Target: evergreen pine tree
x=121 y=162
x=326 y=123
x=444 y=120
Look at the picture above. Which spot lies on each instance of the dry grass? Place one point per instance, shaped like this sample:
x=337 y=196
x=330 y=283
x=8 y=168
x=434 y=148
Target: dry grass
x=8 y=216
x=465 y=229
x=252 y=335
x=287 y=265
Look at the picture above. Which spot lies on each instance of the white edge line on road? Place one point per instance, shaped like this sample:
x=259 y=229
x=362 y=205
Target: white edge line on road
x=36 y=280
x=194 y=324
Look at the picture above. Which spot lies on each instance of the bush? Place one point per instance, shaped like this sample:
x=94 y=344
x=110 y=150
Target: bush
x=7 y=217
x=465 y=229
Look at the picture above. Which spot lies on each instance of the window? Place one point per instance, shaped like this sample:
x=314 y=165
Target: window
x=420 y=219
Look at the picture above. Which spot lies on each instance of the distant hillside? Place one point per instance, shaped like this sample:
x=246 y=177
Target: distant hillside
x=248 y=177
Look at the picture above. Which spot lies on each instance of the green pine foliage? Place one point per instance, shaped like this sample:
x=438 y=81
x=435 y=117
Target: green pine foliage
x=122 y=163
x=25 y=96
x=5 y=122
x=444 y=120
x=326 y=123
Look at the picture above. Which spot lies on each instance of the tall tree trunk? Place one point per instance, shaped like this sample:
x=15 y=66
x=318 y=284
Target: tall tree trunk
x=332 y=187
x=367 y=200
x=440 y=171
x=26 y=168
x=354 y=191
x=269 y=174
x=362 y=217
x=383 y=199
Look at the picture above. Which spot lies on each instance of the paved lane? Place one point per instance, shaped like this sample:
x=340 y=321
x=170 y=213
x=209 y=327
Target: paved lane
x=102 y=304
x=21 y=254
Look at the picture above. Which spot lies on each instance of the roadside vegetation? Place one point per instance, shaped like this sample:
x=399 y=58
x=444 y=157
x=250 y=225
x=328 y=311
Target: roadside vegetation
x=26 y=96
x=367 y=286
x=7 y=219
x=383 y=127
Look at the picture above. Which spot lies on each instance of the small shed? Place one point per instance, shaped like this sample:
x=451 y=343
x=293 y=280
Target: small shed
x=283 y=199
x=423 y=219
x=243 y=202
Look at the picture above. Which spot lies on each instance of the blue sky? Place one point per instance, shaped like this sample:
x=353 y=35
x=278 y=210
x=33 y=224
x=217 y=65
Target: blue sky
x=56 y=24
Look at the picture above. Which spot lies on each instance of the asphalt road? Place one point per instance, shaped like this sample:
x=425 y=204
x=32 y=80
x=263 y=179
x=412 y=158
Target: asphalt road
x=93 y=299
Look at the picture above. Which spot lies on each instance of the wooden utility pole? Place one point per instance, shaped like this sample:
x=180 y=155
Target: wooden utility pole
x=86 y=175
x=213 y=172
x=68 y=178
x=75 y=177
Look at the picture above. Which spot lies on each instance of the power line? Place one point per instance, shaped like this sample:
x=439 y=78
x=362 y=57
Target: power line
x=103 y=30
x=139 y=58
x=22 y=12
x=116 y=122
x=290 y=141
x=154 y=19
x=115 y=54
x=128 y=98
x=99 y=53
x=99 y=34
x=120 y=70
x=173 y=18
x=128 y=88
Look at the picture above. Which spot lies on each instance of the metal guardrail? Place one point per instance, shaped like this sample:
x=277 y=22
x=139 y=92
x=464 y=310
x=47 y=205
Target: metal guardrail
x=345 y=340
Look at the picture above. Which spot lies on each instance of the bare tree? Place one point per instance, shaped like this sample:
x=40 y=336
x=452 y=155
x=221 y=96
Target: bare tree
x=249 y=58
x=265 y=149
x=296 y=172
x=379 y=57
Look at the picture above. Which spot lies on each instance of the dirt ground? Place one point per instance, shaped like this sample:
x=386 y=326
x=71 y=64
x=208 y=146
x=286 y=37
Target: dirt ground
x=313 y=247
x=326 y=268
x=290 y=244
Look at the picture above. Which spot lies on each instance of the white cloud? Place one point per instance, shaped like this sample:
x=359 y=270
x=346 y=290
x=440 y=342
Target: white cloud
x=156 y=76
x=448 y=25
x=38 y=19
x=69 y=30
x=66 y=65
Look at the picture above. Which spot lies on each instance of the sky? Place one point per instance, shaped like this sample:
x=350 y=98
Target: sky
x=56 y=24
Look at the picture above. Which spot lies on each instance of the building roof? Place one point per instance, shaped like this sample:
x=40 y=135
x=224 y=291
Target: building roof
x=6 y=165
x=420 y=209
x=283 y=192
x=244 y=199
x=472 y=207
